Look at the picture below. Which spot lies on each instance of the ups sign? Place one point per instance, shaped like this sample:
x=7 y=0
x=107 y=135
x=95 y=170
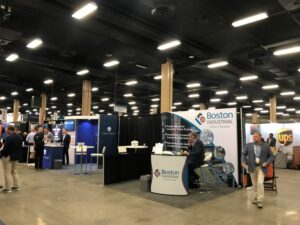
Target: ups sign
x=285 y=136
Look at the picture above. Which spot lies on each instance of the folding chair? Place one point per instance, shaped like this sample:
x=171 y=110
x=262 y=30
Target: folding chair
x=270 y=179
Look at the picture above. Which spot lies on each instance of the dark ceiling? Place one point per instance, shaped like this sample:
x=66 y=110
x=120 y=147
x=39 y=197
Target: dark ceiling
x=129 y=32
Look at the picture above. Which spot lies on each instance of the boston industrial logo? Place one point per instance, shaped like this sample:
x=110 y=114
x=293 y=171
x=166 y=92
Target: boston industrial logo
x=215 y=118
x=285 y=136
x=166 y=173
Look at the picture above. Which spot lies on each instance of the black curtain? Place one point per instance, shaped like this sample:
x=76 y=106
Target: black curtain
x=145 y=130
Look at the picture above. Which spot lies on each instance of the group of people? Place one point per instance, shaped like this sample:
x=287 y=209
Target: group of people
x=11 y=147
x=255 y=158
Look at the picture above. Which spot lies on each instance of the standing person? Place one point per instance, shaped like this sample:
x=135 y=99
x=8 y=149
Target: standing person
x=48 y=135
x=10 y=156
x=38 y=141
x=271 y=140
x=256 y=157
x=66 y=144
x=195 y=155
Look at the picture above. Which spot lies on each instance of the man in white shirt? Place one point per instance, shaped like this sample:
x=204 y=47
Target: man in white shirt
x=29 y=138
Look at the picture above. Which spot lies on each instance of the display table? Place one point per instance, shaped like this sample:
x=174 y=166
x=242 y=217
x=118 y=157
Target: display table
x=81 y=151
x=137 y=149
x=169 y=175
x=51 y=153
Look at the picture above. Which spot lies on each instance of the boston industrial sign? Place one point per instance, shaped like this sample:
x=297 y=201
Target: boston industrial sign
x=166 y=173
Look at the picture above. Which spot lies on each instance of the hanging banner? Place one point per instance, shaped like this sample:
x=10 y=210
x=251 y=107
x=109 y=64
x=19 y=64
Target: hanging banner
x=217 y=130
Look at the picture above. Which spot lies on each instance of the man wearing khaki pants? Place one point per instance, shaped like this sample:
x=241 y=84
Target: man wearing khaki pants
x=10 y=156
x=256 y=157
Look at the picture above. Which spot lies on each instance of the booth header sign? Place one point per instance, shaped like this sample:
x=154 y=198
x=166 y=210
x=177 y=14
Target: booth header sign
x=285 y=136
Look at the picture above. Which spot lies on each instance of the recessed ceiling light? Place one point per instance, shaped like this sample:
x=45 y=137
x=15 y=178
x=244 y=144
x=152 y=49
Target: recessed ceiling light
x=8 y=107
x=101 y=110
x=169 y=45
x=132 y=82
x=12 y=57
x=267 y=104
x=178 y=103
x=85 y=11
x=95 y=107
x=250 y=19
x=247 y=106
x=14 y=93
x=35 y=43
x=279 y=113
x=299 y=69
x=53 y=107
x=192 y=85
x=104 y=99
x=70 y=110
x=173 y=107
x=95 y=89
x=132 y=103
x=128 y=95
x=111 y=63
x=217 y=64
x=231 y=103
x=29 y=89
x=111 y=105
x=191 y=57
x=258 y=109
x=78 y=109
x=243 y=97
x=141 y=66
x=78 y=113
x=298 y=111
x=155 y=99
x=286 y=114
x=2 y=98
x=136 y=111
x=134 y=107
x=25 y=104
x=215 y=100
x=82 y=72
x=271 y=86
x=70 y=104
x=53 y=98
x=222 y=92
x=287 y=51
x=196 y=106
x=296 y=98
x=246 y=78
x=158 y=77
x=281 y=107
x=258 y=101
x=125 y=115
x=290 y=109
x=249 y=114
x=287 y=93
x=49 y=81
x=71 y=95
x=193 y=95
x=135 y=114
x=154 y=106
x=27 y=111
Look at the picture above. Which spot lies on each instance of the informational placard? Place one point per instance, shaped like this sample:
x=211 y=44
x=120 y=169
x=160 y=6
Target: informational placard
x=217 y=130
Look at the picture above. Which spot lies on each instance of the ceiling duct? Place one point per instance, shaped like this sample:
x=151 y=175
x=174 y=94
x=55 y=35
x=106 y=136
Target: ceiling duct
x=163 y=8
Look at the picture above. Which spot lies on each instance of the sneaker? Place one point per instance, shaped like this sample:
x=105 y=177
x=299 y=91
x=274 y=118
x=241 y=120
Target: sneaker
x=6 y=191
x=15 y=188
x=260 y=205
x=255 y=201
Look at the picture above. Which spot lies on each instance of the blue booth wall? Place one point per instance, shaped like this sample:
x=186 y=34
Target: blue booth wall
x=87 y=132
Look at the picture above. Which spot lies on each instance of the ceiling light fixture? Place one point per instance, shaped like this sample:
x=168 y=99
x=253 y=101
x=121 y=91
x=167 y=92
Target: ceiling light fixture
x=154 y=106
x=193 y=95
x=215 y=100
x=71 y=95
x=132 y=82
x=264 y=111
x=246 y=78
x=222 y=92
x=132 y=103
x=218 y=64
x=281 y=107
x=141 y=66
x=296 y=98
x=14 y=93
x=178 y=103
x=231 y=103
x=158 y=77
x=196 y=106
x=111 y=63
x=70 y=104
x=49 y=81
x=290 y=109
x=287 y=93
x=128 y=95
x=29 y=89
x=250 y=19
x=53 y=98
x=95 y=107
x=155 y=99
x=85 y=11
x=95 y=89
x=111 y=105
x=192 y=85
x=82 y=72
x=258 y=109
x=246 y=106
x=169 y=45
x=104 y=99
x=35 y=43
x=243 y=97
x=2 y=98
x=287 y=51
x=258 y=101
x=12 y=57
x=271 y=86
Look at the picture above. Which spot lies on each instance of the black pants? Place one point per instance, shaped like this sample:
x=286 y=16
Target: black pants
x=39 y=157
x=66 y=154
x=193 y=177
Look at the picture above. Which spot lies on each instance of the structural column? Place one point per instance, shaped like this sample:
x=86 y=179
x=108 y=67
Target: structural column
x=86 y=98
x=273 y=105
x=16 y=110
x=166 y=91
x=42 y=114
x=255 y=118
x=202 y=106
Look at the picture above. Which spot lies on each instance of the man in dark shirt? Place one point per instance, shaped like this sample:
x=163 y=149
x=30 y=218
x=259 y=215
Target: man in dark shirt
x=38 y=141
x=195 y=155
x=271 y=140
x=10 y=156
x=66 y=139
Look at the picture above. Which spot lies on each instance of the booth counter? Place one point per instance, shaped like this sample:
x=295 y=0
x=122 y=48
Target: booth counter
x=169 y=174
x=51 y=153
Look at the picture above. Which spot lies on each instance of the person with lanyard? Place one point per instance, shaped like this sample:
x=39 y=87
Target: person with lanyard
x=255 y=158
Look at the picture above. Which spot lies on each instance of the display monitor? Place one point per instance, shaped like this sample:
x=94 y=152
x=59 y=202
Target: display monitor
x=69 y=125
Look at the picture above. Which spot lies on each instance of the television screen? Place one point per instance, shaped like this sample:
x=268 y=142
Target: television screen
x=69 y=125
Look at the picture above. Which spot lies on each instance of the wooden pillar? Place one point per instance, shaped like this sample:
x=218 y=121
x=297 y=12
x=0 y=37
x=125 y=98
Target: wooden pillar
x=202 y=106
x=273 y=105
x=86 y=98
x=16 y=110
x=42 y=114
x=255 y=118
x=166 y=92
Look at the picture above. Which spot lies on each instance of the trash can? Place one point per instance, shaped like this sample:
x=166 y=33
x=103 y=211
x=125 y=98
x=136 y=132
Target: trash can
x=57 y=164
x=145 y=182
